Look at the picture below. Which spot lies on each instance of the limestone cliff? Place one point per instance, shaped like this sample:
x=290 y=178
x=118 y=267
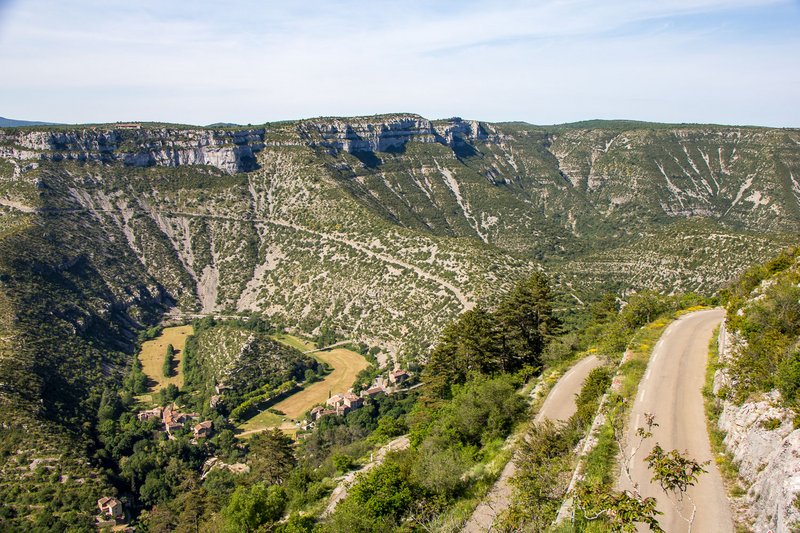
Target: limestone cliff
x=765 y=446
x=388 y=134
x=228 y=150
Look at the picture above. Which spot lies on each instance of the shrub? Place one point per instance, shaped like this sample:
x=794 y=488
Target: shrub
x=343 y=462
x=540 y=481
x=377 y=501
x=252 y=507
x=168 y=394
x=482 y=410
x=788 y=378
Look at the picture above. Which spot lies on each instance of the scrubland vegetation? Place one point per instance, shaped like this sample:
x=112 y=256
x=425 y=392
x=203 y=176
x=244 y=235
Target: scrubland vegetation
x=389 y=249
x=764 y=310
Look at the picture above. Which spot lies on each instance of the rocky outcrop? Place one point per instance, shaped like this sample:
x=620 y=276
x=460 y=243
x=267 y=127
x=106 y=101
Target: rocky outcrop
x=766 y=449
x=228 y=150
x=233 y=151
x=388 y=134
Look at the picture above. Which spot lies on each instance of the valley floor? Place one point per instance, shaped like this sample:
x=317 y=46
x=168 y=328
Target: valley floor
x=346 y=365
x=152 y=357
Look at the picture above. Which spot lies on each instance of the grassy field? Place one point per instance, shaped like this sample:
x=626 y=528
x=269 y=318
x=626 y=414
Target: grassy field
x=261 y=421
x=346 y=364
x=152 y=357
x=295 y=342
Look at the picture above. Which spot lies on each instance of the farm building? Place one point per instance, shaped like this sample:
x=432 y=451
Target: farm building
x=203 y=429
x=149 y=414
x=111 y=507
x=399 y=375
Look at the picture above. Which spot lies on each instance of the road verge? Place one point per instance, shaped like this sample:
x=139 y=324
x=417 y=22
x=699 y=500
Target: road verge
x=597 y=461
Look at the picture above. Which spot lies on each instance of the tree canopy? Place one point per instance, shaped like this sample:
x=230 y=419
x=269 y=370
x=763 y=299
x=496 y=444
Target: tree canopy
x=489 y=342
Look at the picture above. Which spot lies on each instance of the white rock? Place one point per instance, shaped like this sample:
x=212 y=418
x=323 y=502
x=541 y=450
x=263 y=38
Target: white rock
x=769 y=460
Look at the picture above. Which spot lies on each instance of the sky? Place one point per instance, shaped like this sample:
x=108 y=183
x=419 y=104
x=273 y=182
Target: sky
x=543 y=62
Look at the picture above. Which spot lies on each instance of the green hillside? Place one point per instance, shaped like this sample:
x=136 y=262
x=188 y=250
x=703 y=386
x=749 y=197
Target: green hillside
x=764 y=320
x=382 y=228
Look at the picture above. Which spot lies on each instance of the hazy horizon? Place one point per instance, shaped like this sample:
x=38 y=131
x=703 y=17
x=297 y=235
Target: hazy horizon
x=45 y=123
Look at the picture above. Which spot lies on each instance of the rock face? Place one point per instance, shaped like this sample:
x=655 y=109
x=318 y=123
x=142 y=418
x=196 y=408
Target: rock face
x=229 y=151
x=766 y=448
x=389 y=134
x=381 y=228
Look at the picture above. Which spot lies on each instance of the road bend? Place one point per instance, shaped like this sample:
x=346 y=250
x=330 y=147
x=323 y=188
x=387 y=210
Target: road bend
x=671 y=390
x=558 y=406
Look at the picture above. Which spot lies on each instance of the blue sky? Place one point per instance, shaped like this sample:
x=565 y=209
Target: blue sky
x=721 y=61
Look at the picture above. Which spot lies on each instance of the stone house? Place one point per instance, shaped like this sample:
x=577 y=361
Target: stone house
x=335 y=401
x=111 y=507
x=149 y=414
x=203 y=429
x=352 y=401
x=174 y=419
x=398 y=376
x=372 y=392
x=319 y=411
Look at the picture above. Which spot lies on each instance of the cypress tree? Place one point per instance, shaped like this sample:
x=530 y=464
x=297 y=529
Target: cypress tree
x=167 y=369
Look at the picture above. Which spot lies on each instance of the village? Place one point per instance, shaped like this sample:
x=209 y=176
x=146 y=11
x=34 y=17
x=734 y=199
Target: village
x=175 y=420
x=112 y=511
x=342 y=403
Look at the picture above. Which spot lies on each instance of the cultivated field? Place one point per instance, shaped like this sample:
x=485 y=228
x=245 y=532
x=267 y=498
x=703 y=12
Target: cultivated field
x=152 y=356
x=346 y=365
x=295 y=342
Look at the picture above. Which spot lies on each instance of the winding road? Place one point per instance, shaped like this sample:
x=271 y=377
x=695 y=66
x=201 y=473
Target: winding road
x=671 y=390
x=558 y=406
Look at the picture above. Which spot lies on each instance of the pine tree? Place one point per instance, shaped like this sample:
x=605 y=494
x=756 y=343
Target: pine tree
x=526 y=319
x=472 y=344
